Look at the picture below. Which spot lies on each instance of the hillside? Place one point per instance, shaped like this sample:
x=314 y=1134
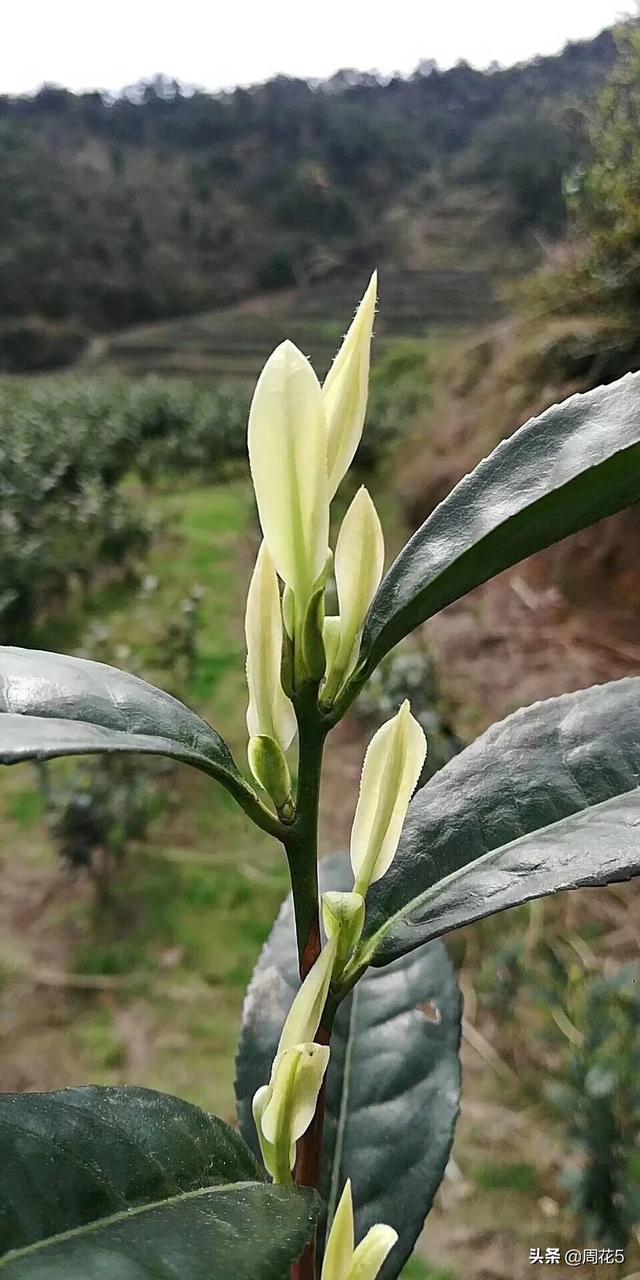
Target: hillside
x=160 y=202
x=235 y=341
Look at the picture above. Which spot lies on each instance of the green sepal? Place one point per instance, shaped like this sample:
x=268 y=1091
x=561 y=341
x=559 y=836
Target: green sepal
x=269 y=767
x=313 y=653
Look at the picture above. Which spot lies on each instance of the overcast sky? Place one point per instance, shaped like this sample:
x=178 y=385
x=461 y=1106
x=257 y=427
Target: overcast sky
x=220 y=43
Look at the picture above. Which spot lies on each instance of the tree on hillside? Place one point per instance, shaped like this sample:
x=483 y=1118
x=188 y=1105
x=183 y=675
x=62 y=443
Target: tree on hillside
x=607 y=201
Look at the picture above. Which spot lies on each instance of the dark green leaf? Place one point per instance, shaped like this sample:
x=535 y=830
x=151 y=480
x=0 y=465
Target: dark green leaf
x=393 y=1081
x=548 y=799
x=560 y=472
x=129 y=1184
x=53 y=705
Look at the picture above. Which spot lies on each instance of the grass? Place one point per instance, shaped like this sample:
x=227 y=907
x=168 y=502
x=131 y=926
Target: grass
x=192 y=908
x=417 y=1269
x=505 y=1177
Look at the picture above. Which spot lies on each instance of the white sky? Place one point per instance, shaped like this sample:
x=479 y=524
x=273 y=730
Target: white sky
x=220 y=43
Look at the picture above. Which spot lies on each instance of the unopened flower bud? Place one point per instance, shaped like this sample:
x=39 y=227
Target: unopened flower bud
x=288 y=457
x=359 y=561
x=343 y=918
x=346 y=388
x=269 y=767
x=303 y=1018
x=313 y=654
x=294 y=1091
x=372 y=1252
x=269 y=712
x=341 y=1260
x=391 y=769
x=284 y=1109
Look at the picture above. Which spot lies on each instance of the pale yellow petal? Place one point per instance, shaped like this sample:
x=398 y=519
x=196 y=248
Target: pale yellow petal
x=343 y=918
x=372 y=1252
x=288 y=457
x=392 y=766
x=260 y=1101
x=340 y=1244
x=331 y=637
x=269 y=712
x=359 y=562
x=346 y=390
x=304 y=1016
x=294 y=1093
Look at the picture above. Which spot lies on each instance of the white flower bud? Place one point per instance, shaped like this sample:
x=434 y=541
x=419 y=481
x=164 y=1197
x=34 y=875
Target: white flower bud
x=304 y=1016
x=392 y=766
x=341 y=1242
x=269 y=712
x=269 y=767
x=346 y=389
x=288 y=457
x=343 y=918
x=359 y=562
x=341 y=1260
x=294 y=1090
x=372 y=1252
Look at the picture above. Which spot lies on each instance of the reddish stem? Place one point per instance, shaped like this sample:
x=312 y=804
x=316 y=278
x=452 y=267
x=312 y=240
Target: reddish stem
x=307 y=1171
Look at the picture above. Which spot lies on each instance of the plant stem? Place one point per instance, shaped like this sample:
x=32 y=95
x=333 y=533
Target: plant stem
x=301 y=844
x=301 y=838
x=309 y=1159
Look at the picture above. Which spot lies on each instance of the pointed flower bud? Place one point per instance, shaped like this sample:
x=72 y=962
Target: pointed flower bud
x=304 y=1016
x=343 y=917
x=279 y=1125
x=288 y=457
x=346 y=389
x=260 y=1100
x=294 y=1092
x=392 y=766
x=359 y=561
x=284 y=1109
x=269 y=767
x=341 y=1261
x=312 y=643
x=341 y=1241
x=270 y=711
x=372 y=1252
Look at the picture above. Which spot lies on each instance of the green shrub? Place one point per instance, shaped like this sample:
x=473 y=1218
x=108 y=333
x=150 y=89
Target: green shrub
x=65 y=447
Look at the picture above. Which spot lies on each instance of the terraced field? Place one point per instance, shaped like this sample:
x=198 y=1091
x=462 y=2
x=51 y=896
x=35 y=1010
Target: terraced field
x=235 y=342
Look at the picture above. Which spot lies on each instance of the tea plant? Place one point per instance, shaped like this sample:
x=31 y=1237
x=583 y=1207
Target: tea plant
x=97 y=816
x=348 y=1073
x=65 y=448
x=598 y=1100
x=588 y=1025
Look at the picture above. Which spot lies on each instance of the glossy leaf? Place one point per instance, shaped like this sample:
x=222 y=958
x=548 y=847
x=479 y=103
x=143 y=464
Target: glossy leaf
x=546 y=800
x=53 y=705
x=393 y=1080
x=559 y=473
x=111 y=1184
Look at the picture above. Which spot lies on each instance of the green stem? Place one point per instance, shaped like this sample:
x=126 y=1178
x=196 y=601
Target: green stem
x=301 y=838
x=301 y=844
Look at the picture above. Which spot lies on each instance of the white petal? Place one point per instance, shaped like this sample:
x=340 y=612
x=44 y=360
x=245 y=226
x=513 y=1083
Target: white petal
x=269 y=712
x=359 y=562
x=392 y=766
x=294 y=1093
x=331 y=638
x=340 y=1244
x=371 y=1252
x=346 y=389
x=288 y=457
x=304 y=1016
x=260 y=1100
